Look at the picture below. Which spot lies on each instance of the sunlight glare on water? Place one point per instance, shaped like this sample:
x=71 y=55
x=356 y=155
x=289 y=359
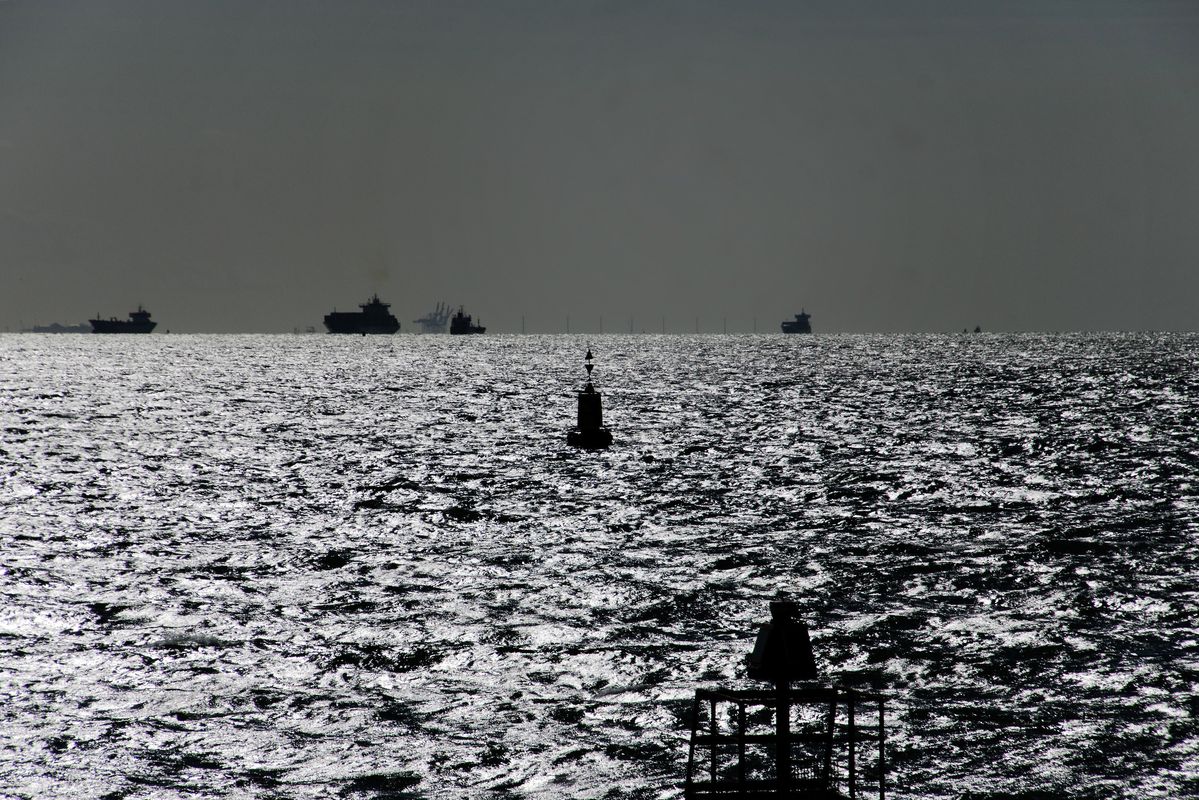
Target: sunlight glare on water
x=313 y=566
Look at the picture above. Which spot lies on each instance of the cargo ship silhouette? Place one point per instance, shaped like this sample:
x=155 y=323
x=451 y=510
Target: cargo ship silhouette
x=373 y=318
x=139 y=322
x=461 y=324
x=799 y=325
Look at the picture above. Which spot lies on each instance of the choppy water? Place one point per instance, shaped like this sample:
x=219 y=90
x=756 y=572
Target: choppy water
x=308 y=566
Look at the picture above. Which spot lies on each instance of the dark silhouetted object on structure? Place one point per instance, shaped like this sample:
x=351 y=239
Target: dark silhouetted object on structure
x=590 y=433
x=373 y=318
x=800 y=324
x=800 y=740
x=783 y=651
x=139 y=322
x=461 y=324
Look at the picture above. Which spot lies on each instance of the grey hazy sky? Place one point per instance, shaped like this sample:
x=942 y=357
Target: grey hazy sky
x=247 y=166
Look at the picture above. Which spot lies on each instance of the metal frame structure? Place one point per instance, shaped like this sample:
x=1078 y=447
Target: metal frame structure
x=793 y=741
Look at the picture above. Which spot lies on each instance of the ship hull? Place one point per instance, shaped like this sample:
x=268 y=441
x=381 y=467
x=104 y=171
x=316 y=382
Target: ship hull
x=356 y=322
x=121 y=326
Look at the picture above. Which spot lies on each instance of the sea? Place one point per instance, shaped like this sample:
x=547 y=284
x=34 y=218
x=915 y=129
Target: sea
x=310 y=566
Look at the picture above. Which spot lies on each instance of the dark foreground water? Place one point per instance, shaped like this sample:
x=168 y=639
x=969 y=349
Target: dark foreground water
x=309 y=566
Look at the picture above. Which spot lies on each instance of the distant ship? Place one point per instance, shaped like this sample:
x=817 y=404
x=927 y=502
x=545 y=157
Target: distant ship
x=58 y=327
x=139 y=322
x=461 y=323
x=373 y=318
x=799 y=325
x=435 y=321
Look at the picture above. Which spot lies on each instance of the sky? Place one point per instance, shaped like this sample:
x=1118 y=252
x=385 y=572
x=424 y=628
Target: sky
x=887 y=166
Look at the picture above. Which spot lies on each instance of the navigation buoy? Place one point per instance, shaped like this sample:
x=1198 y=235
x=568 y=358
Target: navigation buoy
x=590 y=433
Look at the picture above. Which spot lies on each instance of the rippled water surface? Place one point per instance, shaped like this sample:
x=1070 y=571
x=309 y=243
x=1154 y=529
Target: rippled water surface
x=309 y=566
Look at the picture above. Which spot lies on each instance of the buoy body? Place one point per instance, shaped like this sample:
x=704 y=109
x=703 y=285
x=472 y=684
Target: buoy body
x=591 y=409
x=590 y=440
x=589 y=431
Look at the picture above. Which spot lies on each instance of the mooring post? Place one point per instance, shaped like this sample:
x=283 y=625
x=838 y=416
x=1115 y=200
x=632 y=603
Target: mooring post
x=853 y=778
x=782 y=734
x=882 y=764
x=741 y=745
x=712 y=727
x=694 y=727
x=830 y=723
